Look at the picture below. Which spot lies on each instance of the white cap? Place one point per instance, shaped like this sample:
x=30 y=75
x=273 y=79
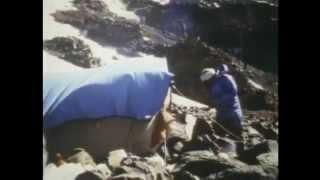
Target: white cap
x=207 y=74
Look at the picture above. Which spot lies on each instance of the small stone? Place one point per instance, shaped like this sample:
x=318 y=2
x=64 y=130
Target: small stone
x=268 y=159
x=103 y=169
x=223 y=155
x=156 y=161
x=178 y=147
x=115 y=157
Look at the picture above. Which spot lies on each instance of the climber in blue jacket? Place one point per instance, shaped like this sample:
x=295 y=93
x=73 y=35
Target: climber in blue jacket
x=223 y=93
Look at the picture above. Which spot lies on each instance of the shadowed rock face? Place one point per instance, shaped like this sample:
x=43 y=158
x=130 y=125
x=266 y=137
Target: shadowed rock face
x=237 y=33
x=247 y=29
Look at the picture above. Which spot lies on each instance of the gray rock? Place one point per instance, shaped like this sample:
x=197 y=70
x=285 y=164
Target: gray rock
x=250 y=155
x=267 y=131
x=140 y=168
x=73 y=50
x=115 y=157
x=199 y=143
x=89 y=175
x=175 y=145
x=156 y=161
x=268 y=159
x=202 y=127
x=226 y=145
x=203 y=163
x=271 y=171
x=245 y=172
x=131 y=176
x=82 y=157
x=185 y=175
x=91 y=5
x=178 y=147
x=253 y=132
x=103 y=170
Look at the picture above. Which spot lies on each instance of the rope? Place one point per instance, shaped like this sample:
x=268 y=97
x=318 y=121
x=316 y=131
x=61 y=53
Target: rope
x=229 y=132
x=221 y=126
x=170 y=102
x=129 y=133
x=177 y=90
x=165 y=150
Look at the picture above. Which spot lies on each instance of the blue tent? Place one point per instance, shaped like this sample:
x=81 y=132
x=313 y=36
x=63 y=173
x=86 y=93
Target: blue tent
x=114 y=90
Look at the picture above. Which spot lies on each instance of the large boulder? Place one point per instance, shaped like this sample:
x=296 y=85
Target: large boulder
x=245 y=172
x=251 y=155
x=135 y=167
x=203 y=163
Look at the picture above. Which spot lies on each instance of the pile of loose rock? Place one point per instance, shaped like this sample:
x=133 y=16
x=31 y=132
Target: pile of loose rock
x=73 y=50
x=206 y=156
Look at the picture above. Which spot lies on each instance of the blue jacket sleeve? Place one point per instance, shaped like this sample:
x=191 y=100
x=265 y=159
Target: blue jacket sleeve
x=223 y=92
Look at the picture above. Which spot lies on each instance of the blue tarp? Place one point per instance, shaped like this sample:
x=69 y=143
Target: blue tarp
x=115 y=90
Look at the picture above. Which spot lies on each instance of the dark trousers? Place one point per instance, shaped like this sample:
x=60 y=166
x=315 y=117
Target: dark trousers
x=234 y=126
x=231 y=124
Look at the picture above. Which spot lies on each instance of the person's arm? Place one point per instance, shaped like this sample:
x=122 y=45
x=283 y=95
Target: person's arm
x=224 y=93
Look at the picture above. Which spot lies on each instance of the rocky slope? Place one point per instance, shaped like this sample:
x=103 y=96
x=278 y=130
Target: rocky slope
x=190 y=35
x=207 y=156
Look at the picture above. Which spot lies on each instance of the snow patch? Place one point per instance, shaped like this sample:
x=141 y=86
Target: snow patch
x=105 y=53
x=165 y=2
x=119 y=8
x=52 y=29
x=54 y=64
x=146 y=38
x=162 y=2
x=68 y=171
x=255 y=85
